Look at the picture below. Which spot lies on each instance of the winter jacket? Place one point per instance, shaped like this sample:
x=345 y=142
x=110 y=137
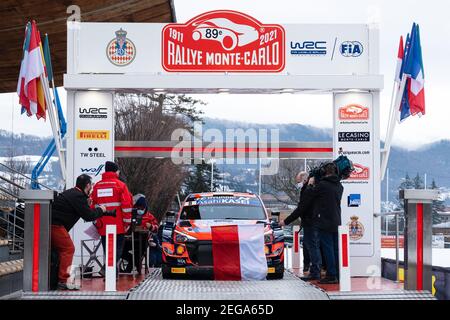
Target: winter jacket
x=113 y=194
x=71 y=205
x=320 y=205
x=304 y=207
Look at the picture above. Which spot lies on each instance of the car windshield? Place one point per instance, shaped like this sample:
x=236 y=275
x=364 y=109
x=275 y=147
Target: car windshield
x=213 y=208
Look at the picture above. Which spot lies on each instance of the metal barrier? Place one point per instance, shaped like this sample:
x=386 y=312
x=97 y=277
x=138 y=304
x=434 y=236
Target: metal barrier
x=418 y=244
x=37 y=240
x=397 y=238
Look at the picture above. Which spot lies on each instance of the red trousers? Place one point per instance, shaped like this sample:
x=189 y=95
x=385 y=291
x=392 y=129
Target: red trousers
x=62 y=243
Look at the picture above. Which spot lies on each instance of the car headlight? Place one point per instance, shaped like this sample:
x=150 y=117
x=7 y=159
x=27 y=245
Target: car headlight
x=278 y=251
x=168 y=251
x=182 y=237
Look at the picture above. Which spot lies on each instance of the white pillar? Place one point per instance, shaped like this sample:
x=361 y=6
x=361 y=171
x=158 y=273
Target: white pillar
x=344 y=260
x=110 y=261
x=296 y=248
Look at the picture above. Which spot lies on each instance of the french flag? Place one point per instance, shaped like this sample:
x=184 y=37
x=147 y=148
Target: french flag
x=414 y=96
x=238 y=252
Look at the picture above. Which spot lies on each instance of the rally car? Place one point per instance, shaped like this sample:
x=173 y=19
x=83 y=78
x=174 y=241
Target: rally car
x=187 y=240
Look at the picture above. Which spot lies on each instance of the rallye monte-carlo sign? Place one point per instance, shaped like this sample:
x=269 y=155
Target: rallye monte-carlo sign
x=223 y=41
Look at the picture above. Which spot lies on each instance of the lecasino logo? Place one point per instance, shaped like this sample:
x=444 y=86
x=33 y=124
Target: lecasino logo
x=223 y=40
x=354 y=136
x=93 y=171
x=309 y=48
x=354 y=200
x=93 y=113
x=351 y=49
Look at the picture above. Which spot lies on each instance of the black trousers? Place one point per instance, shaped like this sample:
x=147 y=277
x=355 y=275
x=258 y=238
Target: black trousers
x=140 y=248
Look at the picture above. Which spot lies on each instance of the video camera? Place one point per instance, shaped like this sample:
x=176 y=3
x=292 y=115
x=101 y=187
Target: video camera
x=343 y=166
x=136 y=218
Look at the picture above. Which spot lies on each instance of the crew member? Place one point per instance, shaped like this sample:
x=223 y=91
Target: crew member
x=325 y=197
x=147 y=224
x=68 y=207
x=113 y=194
x=301 y=180
x=311 y=240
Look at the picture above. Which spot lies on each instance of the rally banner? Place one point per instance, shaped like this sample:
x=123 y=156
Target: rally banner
x=238 y=252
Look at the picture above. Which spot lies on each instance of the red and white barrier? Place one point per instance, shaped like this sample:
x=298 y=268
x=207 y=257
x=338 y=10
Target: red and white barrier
x=110 y=259
x=344 y=260
x=296 y=248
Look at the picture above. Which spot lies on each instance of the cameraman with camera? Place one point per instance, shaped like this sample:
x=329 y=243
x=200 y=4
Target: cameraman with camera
x=324 y=197
x=68 y=207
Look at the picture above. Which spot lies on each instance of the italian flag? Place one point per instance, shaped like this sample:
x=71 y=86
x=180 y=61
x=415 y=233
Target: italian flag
x=238 y=252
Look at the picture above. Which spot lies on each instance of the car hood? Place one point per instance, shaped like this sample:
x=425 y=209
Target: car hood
x=201 y=229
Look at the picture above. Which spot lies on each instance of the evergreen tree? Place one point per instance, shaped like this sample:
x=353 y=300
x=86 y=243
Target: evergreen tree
x=418 y=182
x=437 y=206
x=407 y=183
x=199 y=179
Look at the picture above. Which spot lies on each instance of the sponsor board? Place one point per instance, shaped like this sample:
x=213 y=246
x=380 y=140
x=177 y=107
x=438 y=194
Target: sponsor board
x=353 y=137
x=93 y=129
x=92 y=134
x=223 y=40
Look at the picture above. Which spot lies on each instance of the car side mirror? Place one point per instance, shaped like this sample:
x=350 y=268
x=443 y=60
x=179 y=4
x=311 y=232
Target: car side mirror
x=275 y=216
x=170 y=216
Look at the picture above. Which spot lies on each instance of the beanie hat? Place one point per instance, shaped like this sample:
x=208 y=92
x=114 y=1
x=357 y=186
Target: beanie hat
x=111 y=167
x=140 y=201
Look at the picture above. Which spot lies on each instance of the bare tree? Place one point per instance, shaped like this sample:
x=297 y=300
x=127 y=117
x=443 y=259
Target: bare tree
x=283 y=184
x=153 y=117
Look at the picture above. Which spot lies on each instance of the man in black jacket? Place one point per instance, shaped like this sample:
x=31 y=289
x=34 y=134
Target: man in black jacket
x=311 y=240
x=68 y=207
x=324 y=219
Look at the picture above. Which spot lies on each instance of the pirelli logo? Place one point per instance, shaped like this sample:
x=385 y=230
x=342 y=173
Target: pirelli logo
x=92 y=134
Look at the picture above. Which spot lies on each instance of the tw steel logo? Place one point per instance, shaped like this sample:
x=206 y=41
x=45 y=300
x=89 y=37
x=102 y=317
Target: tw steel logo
x=360 y=172
x=224 y=41
x=354 y=112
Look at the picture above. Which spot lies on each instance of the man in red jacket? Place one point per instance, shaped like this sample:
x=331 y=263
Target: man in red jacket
x=112 y=193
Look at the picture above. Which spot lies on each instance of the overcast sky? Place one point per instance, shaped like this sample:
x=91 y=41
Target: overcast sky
x=394 y=18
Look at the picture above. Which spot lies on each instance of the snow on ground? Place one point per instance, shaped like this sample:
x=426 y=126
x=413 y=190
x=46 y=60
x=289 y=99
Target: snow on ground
x=440 y=257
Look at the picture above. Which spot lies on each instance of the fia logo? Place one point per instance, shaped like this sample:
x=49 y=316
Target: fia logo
x=351 y=49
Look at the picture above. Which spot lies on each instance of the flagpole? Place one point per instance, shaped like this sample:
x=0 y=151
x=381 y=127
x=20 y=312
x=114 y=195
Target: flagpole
x=54 y=125
x=396 y=111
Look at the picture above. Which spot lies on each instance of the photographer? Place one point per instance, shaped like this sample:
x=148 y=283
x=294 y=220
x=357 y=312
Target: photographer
x=311 y=238
x=68 y=207
x=325 y=198
x=143 y=223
